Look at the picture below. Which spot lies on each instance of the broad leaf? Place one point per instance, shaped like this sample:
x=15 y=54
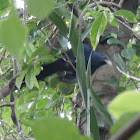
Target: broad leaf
x=124 y=120
x=111 y=82
x=53 y=128
x=98 y=28
x=29 y=79
x=115 y=41
x=126 y=14
x=13 y=35
x=40 y=8
x=127 y=102
x=120 y=62
x=128 y=53
x=59 y=22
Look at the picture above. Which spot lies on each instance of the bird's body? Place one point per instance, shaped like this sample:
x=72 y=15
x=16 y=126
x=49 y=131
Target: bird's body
x=61 y=65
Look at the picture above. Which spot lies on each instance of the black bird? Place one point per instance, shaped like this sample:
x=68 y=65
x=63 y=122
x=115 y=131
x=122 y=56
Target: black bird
x=61 y=65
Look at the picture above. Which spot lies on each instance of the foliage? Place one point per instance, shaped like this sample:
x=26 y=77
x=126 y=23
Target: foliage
x=53 y=97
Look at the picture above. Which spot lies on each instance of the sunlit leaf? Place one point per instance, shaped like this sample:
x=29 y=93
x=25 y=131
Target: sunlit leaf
x=98 y=28
x=126 y=14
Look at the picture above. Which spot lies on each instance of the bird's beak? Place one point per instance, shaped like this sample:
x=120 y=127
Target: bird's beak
x=108 y=62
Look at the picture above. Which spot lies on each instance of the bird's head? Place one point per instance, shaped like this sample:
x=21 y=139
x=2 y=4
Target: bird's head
x=98 y=59
x=105 y=59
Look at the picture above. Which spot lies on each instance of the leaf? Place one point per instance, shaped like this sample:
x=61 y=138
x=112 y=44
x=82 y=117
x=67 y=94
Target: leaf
x=115 y=41
x=88 y=73
x=42 y=103
x=126 y=14
x=128 y=53
x=94 y=125
x=127 y=102
x=111 y=82
x=73 y=37
x=99 y=106
x=29 y=79
x=120 y=62
x=124 y=120
x=80 y=71
x=54 y=128
x=87 y=32
x=19 y=79
x=13 y=35
x=65 y=88
x=59 y=22
x=98 y=28
x=4 y=4
x=40 y=8
x=115 y=22
x=41 y=50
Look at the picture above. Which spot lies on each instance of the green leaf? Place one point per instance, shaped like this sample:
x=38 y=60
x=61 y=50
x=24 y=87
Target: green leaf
x=53 y=128
x=13 y=35
x=80 y=70
x=115 y=41
x=19 y=79
x=98 y=28
x=127 y=102
x=29 y=79
x=65 y=88
x=94 y=125
x=128 y=53
x=4 y=4
x=126 y=14
x=41 y=50
x=124 y=120
x=40 y=8
x=120 y=62
x=87 y=32
x=73 y=37
x=99 y=106
x=115 y=22
x=111 y=82
x=88 y=73
x=59 y=22
x=42 y=103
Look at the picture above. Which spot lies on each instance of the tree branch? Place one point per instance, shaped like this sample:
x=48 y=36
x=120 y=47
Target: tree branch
x=128 y=76
x=128 y=130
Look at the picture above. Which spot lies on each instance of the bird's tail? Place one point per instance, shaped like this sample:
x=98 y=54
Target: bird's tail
x=49 y=69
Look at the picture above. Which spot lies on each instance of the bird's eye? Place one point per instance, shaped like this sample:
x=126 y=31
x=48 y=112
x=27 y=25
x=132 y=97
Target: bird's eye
x=103 y=57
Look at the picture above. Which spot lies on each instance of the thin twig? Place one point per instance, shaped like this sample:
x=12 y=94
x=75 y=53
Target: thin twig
x=7 y=105
x=13 y=129
x=128 y=76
